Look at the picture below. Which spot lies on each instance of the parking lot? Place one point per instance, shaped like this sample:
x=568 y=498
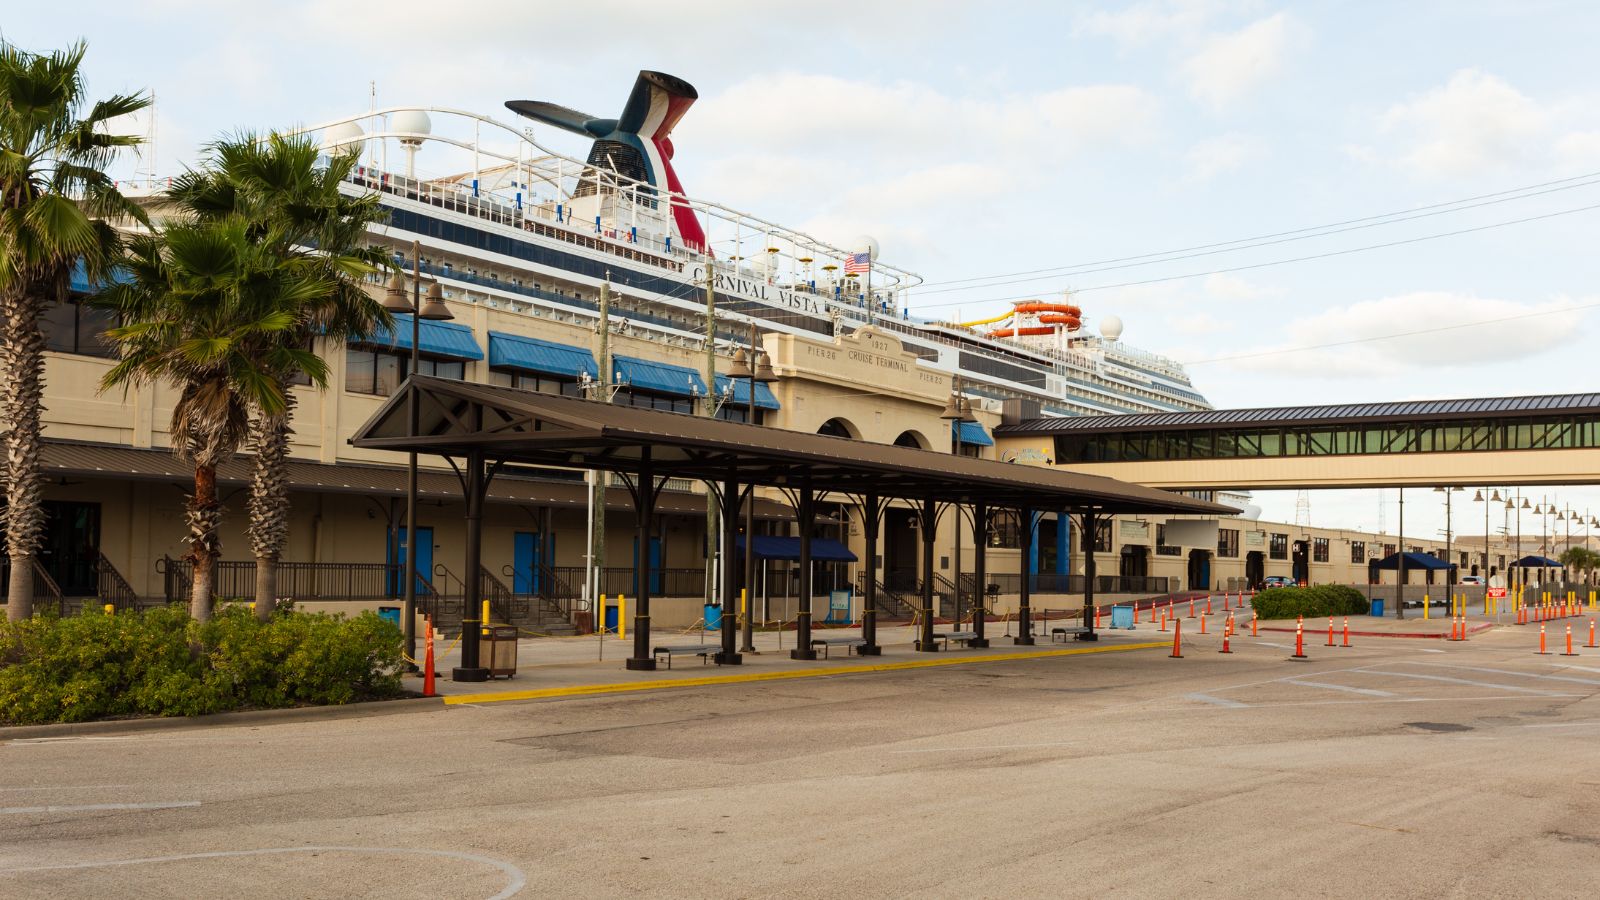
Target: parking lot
x=1395 y=767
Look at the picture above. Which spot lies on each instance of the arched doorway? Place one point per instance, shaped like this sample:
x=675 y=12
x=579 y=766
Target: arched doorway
x=837 y=427
x=1302 y=562
x=1255 y=569
x=911 y=439
x=1199 y=570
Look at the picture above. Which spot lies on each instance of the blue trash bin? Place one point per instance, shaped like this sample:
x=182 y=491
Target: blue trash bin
x=1377 y=607
x=390 y=614
x=1122 y=617
x=611 y=618
x=713 y=617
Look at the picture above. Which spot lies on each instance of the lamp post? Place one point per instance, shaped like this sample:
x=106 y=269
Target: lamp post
x=1486 y=501
x=957 y=411
x=760 y=373
x=1449 y=534
x=435 y=310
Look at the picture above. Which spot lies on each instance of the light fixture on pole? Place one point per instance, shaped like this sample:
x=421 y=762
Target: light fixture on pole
x=957 y=411
x=760 y=373
x=433 y=309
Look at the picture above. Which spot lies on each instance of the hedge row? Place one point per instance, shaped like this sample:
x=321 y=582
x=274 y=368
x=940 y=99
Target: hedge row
x=162 y=663
x=1321 y=600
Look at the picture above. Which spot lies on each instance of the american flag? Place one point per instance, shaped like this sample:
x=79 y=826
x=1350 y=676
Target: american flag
x=857 y=263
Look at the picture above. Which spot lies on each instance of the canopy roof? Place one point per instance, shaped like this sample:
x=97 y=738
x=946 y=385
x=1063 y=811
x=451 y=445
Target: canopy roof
x=772 y=546
x=506 y=424
x=1536 y=562
x=1413 y=561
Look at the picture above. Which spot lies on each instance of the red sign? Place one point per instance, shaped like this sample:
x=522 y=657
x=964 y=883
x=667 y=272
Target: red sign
x=1497 y=593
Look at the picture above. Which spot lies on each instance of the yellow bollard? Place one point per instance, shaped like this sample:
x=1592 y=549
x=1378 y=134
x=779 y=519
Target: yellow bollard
x=622 y=617
x=600 y=620
x=744 y=603
x=110 y=610
x=1425 y=605
x=485 y=619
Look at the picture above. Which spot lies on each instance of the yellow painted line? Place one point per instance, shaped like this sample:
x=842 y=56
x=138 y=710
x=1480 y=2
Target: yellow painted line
x=583 y=690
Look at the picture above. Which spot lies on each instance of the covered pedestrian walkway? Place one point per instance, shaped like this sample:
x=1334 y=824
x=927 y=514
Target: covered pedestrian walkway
x=482 y=429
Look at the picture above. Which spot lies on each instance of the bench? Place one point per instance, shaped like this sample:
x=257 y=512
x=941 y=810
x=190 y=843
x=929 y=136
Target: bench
x=946 y=637
x=849 y=644
x=1060 y=635
x=706 y=652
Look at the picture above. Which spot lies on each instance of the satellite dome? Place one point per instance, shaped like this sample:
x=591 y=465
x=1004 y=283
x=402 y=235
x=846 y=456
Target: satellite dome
x=341 y=134
x=413 y=121
x=1111 y=328
x=864 y=243
x=1251 y=512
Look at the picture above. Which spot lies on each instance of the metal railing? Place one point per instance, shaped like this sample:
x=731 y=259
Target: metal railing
x=112 y=588
x=506 y=606
x=45 y=589
x=620 y=580
x=1058 y=583
x=296 y=580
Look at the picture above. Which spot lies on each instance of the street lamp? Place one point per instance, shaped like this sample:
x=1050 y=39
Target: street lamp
x=958 y=411
x=433 y=309
x=762 y=373
x=1449 y=534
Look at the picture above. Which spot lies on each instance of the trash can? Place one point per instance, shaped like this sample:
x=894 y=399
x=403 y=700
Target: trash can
x=1377 y=607
x=1122 y=617
x=498 y=650
x=611 y=618
x=713 y=617
x=390 y=614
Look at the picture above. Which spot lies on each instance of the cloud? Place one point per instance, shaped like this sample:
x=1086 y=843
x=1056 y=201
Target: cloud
x=1384 y=343
x=1229 y=66
x=1222 y=286
x=1475 y=122
x=1142 y=23
x=1224 y=153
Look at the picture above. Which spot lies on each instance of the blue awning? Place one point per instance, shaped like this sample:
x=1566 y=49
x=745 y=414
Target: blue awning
x=664 y=378
x=1537 y=562
x=1413 y=561
x=972 y=434
x=788 y=548
x=765 y=399
x=438 y=338
x=511 y=351
x=80 y=283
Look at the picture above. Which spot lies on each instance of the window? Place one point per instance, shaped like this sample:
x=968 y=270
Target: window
x=1279 y=547
x=73 y=327
x=1319 y=549
x=1102 y=536
x=649 y=400
x=381 y=371
x=528 y=381
x=1162 y=547
x=1227 y=542
x=1358 y=551
x=1464 y=562
x=1388 y=550
x=1502 y=559
x=1004 y=530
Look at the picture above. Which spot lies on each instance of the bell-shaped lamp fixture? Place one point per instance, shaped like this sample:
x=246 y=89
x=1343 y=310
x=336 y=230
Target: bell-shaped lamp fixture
x=764 y=372
x=433 y=306
x=395 y=297
x=740 y=367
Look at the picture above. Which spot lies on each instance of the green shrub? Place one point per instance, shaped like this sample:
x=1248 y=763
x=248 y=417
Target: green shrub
x=161 y=663
x=1312 y=602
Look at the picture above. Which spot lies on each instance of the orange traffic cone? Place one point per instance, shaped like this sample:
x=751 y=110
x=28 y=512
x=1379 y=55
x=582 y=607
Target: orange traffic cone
x=1208 y=604
x=1346 y=631
x=427 y=658
x=1542 y=651
x=1163 y=620
x=1191 y=607
x=1225 y=648
x=1330 y=631
x=1202 y=624
x=1569 y=641
x=1591 y=634
x=1254 y=621
x=1177 y=640
x=1299 y=641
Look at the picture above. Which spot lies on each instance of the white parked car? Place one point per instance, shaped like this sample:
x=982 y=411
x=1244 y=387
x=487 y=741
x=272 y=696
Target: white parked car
x=1472 y=580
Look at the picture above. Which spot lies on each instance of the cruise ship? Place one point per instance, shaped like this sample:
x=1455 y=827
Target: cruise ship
x=527 y=228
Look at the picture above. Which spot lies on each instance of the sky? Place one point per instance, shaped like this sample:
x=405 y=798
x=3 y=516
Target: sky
x=976 y=141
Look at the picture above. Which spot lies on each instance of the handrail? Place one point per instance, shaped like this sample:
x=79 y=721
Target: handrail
x=112 y=587
x=42 y=578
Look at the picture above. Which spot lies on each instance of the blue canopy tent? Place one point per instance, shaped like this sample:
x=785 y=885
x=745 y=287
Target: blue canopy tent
x=1537 y=562
x=1414 y=562
x=778 y=548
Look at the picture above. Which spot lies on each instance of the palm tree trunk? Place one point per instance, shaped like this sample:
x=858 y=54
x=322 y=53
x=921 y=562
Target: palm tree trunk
x=269 y=500
x=21 y=392
x=205 y=517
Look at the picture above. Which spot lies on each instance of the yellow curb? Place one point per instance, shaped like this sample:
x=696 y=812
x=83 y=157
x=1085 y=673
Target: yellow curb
x=588 y=689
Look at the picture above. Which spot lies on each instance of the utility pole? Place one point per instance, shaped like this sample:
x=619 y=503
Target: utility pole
x=597 y=484
x=713 y=520
x=1400 y=579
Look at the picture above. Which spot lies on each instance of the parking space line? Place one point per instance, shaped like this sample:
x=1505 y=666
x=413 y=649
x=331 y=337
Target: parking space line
x=1370 y=692
x=1589 y=681
x=95 y=807
x=1218 y=701
x=1445 y=678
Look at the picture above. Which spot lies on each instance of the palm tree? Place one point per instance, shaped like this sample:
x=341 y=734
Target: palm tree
x=55 y=199
x=291 y=198
x=212 y=310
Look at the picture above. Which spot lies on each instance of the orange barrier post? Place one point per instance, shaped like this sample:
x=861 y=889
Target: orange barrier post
x=1225 y=648
x=1330 y=631
x=1208 y=604
x=427 y=658
x=1542 y=651
x=1177 y=640
x=1163 y=620
x=1569 y=641
x=1229 y=629
x=1097 y=618
x=1591 y=634
x=1254 y=620
x=1346 y=631
x=1299 y=641
x=1191 y=607
x=1202 y=624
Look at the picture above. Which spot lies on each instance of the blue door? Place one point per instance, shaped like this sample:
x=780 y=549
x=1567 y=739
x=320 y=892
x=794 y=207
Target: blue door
x=397 y=556
x=655 y=566
x=525 y=562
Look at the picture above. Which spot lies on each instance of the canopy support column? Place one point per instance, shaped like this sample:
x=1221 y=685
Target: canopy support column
x=730 y=573
x=980 y=570
x=872 y=517
x=1025 y=583
x=930 y=518
x=1089 y=528
x=807 y=517
x=475 y=486
x=644 y=507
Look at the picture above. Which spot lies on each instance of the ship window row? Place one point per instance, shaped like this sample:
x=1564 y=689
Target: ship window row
x=1420 y=437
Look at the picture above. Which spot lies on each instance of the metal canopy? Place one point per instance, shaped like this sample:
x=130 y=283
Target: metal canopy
x=1339 y=414
x=505 y=424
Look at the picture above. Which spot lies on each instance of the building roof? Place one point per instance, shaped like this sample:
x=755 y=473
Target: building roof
x=509 y=425
x=1338 y=414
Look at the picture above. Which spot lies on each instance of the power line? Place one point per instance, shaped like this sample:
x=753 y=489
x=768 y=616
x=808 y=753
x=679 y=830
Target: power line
x=1280 y=262
x=1268 y=239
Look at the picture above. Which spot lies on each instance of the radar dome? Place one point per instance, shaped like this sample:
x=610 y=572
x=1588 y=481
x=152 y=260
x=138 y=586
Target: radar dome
x=341 y=134
x=1251 y=512
x=865 y=243
x=1111 y=328
x=412 y=121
